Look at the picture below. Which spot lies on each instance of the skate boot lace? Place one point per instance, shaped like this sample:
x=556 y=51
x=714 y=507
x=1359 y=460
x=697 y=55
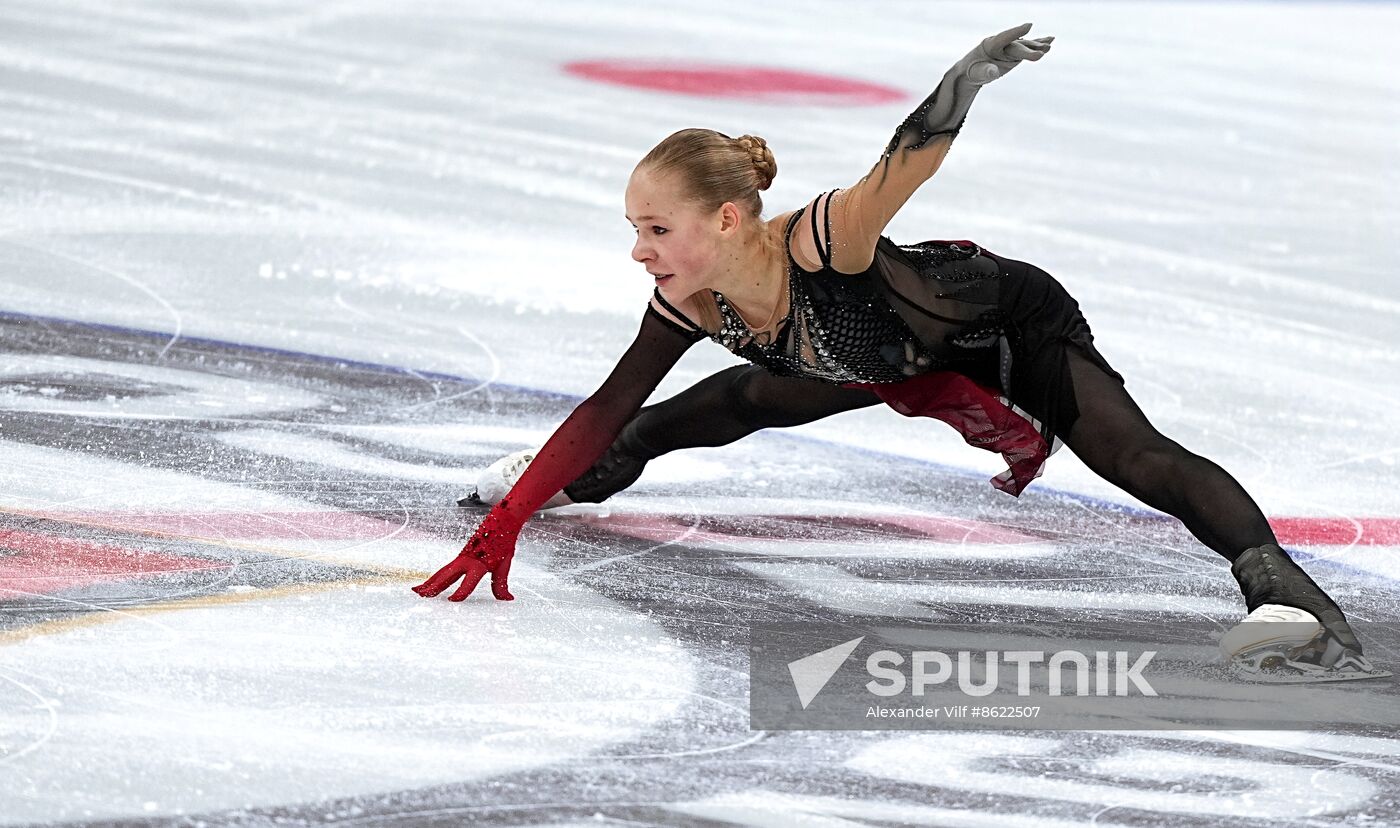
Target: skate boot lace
x=516 y=467
x=1267 y=575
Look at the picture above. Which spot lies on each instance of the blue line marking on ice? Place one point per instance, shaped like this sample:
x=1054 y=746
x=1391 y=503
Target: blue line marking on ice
x=265 y=349
x=394 y=369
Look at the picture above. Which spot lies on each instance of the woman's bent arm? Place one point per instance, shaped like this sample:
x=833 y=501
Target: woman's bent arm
x=573 y=448
x=595 y=423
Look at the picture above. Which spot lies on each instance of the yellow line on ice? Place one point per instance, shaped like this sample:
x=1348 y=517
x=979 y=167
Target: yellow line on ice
x=382 y=573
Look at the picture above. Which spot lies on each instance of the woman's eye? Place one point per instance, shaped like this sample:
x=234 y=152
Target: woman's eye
x=658 y=230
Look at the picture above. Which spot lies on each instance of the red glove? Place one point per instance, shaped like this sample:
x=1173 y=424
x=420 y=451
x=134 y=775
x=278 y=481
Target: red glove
x=491 y=549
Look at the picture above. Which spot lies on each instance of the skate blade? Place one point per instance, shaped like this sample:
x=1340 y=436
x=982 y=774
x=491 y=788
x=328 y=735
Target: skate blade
x=1292 y=673
x=1321 y=659
x=473 y=499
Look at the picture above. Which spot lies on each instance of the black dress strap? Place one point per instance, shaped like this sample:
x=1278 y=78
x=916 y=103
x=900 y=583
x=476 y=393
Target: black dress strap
x=791 y=225
x=823 y=253
x=693 y=328
x=671 y=324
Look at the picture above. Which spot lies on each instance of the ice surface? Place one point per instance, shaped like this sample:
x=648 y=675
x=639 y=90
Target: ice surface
x=1281 y=791
x=201 y=719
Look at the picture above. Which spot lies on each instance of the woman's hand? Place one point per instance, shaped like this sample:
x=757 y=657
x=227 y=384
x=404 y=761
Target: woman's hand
x=491 y=549
x=943 y=112
x=999 y=54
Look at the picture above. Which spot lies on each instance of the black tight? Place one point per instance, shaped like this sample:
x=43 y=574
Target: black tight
x=1111 y=435
x=716 y=411
x=737 y=402
x=1114 y=439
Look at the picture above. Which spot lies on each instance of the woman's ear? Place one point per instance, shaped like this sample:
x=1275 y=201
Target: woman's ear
x=729 y=217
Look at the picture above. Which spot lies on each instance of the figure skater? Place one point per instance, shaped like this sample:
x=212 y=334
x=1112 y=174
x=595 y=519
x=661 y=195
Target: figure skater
x=834 y=316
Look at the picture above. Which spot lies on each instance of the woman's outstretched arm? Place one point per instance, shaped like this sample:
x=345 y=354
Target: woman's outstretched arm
x=853 y=219
x=573 y=448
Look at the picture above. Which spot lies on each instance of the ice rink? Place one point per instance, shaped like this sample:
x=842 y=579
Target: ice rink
x=280 y=278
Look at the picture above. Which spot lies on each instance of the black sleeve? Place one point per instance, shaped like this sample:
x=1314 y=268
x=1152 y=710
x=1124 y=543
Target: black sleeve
x=587 y=432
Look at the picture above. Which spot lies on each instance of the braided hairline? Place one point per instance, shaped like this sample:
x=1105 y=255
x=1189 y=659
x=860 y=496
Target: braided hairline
x=761 y=157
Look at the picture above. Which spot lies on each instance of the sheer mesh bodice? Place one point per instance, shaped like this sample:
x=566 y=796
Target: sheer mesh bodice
x=837 y=329
x=917 y=308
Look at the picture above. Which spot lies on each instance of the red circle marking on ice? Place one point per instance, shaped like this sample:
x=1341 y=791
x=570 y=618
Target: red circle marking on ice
x=712 y=80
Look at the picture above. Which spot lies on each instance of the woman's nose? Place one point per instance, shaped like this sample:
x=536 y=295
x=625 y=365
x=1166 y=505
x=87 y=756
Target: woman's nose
x=640 y=252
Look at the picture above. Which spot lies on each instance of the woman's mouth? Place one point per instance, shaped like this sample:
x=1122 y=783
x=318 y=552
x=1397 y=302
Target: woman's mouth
x=661 y=280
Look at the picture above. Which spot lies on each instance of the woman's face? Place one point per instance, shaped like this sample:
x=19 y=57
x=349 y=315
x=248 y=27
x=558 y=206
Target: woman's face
x=676 y=243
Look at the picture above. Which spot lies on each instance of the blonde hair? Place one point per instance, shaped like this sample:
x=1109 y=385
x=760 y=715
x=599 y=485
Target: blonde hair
x=711 y=169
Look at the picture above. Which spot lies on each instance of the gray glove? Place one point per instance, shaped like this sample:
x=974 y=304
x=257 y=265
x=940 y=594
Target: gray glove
x=944 y=111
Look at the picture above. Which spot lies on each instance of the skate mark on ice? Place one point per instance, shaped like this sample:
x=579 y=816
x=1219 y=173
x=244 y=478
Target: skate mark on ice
x=1131 y=777
x=433 y=386
x=1306 y=745
x=830 y=586
x=687 y=533
x=1359 y=458
x=41 y=628
x=333 y=453
x=52 y=723
x=122 y=277
x=765 y=807
x=494 y=375
x=135 y=183
x=1143 y=541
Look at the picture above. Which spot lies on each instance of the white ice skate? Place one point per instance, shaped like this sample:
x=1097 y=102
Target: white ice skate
x=500 y=476
x=1287 y=645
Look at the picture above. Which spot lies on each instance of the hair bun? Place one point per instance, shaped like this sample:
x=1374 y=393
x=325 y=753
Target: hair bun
x=763 y=162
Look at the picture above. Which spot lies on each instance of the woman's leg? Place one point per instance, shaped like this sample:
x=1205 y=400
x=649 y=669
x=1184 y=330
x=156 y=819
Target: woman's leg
x=716 y=411
x=1114 y=439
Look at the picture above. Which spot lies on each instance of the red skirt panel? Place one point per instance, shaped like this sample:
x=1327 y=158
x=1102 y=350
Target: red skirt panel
x=980 y=414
